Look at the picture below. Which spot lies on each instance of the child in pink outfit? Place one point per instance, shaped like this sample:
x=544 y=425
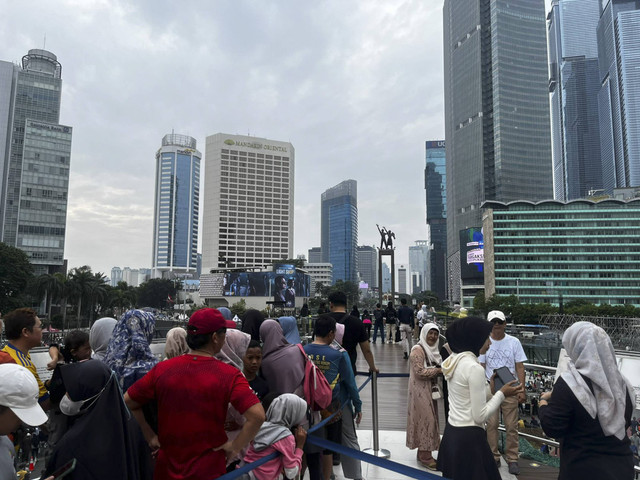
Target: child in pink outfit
x=286 y=411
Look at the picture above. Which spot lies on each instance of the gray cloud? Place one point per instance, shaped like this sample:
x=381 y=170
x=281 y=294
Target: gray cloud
x=355 y=86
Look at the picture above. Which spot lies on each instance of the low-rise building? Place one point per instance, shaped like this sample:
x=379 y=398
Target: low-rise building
x=554 y=251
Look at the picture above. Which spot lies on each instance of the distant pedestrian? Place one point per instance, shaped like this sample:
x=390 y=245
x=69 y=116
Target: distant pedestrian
x=355 y=312
x=390 y=316
x=366 y=320
x=406 y=324
x=378 y=325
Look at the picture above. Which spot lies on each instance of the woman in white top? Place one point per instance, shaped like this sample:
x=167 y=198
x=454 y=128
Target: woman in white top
x=464 y=451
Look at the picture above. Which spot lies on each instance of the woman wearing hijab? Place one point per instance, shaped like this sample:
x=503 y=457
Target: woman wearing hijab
x=176 y=343
x=128 y=354
x=234 y=348
x=282 y=363
x=464 y=451
x=590 y=408
x=290 y=329
x=100 y=335
x=422 y=418
x=226 y=313
x=251 y=321
x=99 y=439
x=286 y=412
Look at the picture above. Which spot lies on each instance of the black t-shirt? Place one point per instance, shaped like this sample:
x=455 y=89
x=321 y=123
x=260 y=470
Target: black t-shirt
x=378 y=315
x=260 y=386
x=354 y=333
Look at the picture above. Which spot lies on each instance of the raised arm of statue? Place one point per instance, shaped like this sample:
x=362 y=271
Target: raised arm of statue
x=383 y=237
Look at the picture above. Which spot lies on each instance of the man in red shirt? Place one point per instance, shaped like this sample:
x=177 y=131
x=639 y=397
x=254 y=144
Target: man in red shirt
x=193 y=392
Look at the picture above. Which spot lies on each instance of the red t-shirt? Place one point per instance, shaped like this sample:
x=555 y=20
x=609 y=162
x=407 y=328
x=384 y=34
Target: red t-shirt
x=193 y=393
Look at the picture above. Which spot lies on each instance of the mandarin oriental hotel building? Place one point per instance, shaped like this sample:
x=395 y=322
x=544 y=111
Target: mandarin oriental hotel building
x=550 y=251
x=247 y=217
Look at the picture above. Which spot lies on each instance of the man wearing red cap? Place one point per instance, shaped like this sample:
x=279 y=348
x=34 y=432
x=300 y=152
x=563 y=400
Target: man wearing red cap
x=193 y=392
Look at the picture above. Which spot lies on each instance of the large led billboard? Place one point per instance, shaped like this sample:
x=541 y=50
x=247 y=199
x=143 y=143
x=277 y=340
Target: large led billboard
x=471 y=254
x=283 y=284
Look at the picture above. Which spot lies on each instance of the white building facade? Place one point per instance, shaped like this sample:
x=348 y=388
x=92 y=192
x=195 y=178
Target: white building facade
x=247 y=214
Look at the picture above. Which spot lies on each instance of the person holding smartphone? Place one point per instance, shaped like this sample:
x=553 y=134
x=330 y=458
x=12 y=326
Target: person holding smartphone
x=504 y=351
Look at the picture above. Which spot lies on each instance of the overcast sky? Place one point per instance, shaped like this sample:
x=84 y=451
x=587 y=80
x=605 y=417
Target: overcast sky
x=356 y=86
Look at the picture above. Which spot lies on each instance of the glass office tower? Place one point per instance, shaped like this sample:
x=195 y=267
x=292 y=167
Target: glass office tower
x=497 y=131
x=619 y=97
x=177 y=203
x=435 y=183
x=36 y=159
x=573 y=88
x=339 y=230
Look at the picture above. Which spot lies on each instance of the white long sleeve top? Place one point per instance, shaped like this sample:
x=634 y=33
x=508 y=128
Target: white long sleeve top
x=470 y=400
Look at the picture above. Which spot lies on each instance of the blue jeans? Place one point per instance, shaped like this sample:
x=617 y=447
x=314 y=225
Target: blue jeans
x=375 y=332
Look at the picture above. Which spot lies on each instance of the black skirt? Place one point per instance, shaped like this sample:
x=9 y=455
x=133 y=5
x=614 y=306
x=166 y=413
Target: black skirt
x=465 y=455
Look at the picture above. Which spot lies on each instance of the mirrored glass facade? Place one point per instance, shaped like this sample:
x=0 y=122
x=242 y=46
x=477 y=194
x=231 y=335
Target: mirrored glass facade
x=573 y=88
x=497 y=130
x=36 y=161
x=177 y=204
x=339 y=230
x=619 y=97
x=435 y=183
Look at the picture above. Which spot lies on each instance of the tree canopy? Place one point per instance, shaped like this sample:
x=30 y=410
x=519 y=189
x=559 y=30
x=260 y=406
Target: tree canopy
x=155 y=293
x=16 y=272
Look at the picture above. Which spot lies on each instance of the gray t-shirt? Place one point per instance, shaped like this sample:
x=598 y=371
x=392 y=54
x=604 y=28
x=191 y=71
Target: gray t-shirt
x=6 y=458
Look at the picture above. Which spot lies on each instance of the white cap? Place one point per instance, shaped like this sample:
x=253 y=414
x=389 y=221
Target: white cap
x=496 y=315
x=19 y=391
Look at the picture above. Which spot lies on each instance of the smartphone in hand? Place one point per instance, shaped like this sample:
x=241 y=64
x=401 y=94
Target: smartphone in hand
x=65 y=470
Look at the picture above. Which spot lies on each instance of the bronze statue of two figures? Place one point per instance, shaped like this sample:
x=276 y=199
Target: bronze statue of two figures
x=386 y=238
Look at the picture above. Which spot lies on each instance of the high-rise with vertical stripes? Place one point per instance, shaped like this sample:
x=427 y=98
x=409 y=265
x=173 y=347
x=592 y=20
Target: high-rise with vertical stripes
x=176 y=207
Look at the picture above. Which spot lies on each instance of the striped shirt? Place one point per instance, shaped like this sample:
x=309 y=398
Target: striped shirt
x=25 y=360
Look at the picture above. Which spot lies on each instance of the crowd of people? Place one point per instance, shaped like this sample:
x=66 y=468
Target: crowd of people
x=224 y=397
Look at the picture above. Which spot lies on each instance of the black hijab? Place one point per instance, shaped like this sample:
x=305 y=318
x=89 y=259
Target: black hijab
x=251 y=321
x=99 y=439
x=468 y=334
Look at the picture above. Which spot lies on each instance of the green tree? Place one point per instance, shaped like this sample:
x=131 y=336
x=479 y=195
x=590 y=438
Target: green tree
x=350 y=289
x=97 y=294
x=64 y=292
x=155 y=292
x=47 y=287
x=81 y=279
x=239 y=308
x=296 y=262
x=480 y=303
x=121 y=297
x=15 y=274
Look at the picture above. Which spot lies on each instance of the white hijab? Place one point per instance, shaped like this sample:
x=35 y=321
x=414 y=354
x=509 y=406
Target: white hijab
x=591 y=354
x=433 y=354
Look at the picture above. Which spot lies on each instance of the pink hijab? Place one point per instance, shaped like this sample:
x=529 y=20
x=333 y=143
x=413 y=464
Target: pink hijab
x=282 y=363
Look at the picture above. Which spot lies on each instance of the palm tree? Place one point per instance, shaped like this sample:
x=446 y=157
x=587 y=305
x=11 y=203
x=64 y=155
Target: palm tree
x=47 y=287
x=64 y=291
x=97 y=290
x=80 y=278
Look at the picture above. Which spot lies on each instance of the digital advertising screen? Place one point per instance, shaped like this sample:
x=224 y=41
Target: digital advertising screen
x=283 y=284
x=471 y=254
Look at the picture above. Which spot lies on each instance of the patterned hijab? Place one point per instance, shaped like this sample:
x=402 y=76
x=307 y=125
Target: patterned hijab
x=591 y=355
x=128 y=353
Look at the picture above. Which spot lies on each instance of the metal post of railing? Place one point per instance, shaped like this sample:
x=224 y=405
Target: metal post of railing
x=376 y=450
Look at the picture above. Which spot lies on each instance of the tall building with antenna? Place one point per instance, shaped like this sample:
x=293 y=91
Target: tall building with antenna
x=176 y=207
x=35 y=156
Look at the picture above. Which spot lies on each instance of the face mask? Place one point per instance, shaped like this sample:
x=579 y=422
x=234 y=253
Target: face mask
x=69 y=407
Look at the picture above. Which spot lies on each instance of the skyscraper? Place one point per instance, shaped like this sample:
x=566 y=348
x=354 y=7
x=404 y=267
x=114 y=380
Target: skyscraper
x=339 y=229
x=248 y=201
x=176 y=206
x=315 y=255
x=497 y=131
x=418 y=256
x=35 y=154
x=402 y=279
x=619 y=97
x=435 y=183
x=573 y=89
x=386 y=278
x=367 y=265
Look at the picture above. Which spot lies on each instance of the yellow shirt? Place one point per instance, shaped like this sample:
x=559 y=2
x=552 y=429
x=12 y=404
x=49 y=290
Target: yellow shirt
x=25 y=360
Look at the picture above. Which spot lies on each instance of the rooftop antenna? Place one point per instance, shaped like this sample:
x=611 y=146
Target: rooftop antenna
x=44 y=43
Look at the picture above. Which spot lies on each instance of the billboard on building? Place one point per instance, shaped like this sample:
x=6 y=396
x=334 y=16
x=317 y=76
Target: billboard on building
x=471 y=254
x=283 y=284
